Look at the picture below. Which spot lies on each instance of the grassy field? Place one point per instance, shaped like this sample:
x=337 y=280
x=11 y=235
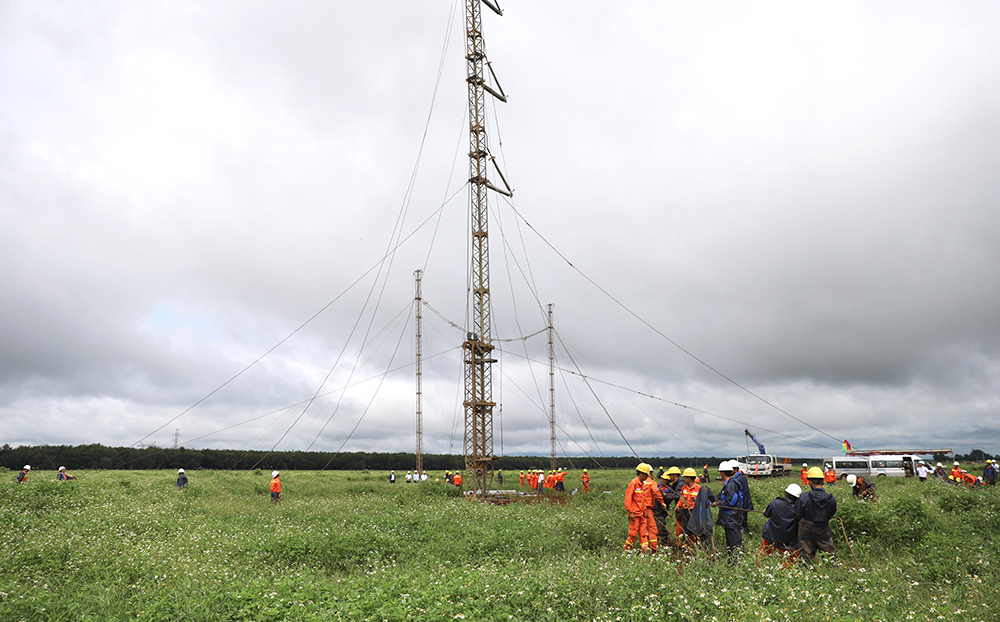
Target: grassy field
x=119 y=545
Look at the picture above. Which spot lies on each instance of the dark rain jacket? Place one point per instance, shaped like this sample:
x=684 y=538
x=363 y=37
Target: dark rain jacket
x=700 y=521
x=990 y=474
x=782 y=528
x=730 y=496
x=814 y=510
x=671 y=493
x=744 y=484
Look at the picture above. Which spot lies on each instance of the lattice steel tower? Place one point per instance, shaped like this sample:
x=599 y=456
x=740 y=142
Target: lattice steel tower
x=552 y=389
x=418 y=323
x=478 y=347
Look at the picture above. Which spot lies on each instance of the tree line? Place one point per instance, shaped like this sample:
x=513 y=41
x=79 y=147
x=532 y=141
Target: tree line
x=96 y=456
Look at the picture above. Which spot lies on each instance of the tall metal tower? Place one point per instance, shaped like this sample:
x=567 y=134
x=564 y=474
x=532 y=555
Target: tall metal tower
x=418 y=303
x=177 y=438
x=552 y=390
x=478 y=347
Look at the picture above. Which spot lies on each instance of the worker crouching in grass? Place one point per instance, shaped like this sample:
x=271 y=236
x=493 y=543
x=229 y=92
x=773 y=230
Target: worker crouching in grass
x=781 y=532
x=730 y=504
x=814 y=510
x=635 y=505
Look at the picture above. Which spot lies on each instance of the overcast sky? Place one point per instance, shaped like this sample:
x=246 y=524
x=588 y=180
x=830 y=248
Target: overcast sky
x=803 y=196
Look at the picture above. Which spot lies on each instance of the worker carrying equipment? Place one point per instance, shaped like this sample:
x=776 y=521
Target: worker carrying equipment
x=63 y=475
x=585 y=481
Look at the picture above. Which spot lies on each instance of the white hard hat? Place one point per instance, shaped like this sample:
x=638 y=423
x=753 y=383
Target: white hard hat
x=852 y=479
x=27 y=467
x=828 y=465
x=956 y=463
x=805 y=464
x=274 y=474
x=180 y=470
x=939 y=464
x=62 y=468
x=725 y=466
x=794 y=489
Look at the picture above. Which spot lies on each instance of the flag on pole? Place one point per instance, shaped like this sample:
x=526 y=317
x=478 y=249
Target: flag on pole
x=847 y=446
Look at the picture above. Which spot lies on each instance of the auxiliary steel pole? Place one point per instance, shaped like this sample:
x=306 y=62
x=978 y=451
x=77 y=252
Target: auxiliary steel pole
x=478 y=347
x=418 y=323
x=552 y=390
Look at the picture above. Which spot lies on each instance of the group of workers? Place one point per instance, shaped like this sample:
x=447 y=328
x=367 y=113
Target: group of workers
x=798 y=522
x=412 y=477
x=62 y=475
x=554 y=480
x=961 y=477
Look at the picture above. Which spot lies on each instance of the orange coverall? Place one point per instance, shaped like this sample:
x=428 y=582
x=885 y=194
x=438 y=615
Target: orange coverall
x=585 y=482
x=957 y=474
x=635 y=503
x=688 y=496
x=802 y=474
x=456 y=479
x=520 y=479
x=652 y=493
x=830 y=476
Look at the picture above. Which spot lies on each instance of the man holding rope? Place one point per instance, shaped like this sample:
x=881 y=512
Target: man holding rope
x=814 y=510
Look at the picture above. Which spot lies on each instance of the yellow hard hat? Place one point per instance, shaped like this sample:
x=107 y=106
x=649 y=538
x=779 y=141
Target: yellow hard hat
x=814 y=473
x=644 y=468
x=689 y=472
x=585 y=470
x=673 y=471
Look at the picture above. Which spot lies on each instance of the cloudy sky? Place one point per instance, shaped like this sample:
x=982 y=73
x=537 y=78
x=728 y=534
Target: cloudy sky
x=786 y=215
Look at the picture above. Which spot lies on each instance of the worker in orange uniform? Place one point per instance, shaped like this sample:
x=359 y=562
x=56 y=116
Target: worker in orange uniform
x=652 y=494
x=585 y=481
x=561 y=480
x=520 y=479
x=956 y=473
x=689 y=493
x=635 y=504
x=802 y=474
x=968 y=479
x=829 y=475
x=456 y=479
x=22 y=477
x=275 y=486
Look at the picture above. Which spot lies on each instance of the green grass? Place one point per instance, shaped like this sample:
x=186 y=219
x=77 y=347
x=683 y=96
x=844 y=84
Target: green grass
x=119 y=545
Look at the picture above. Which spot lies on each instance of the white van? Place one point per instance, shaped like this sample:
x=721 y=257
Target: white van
x=848 y=465
x=892 y=466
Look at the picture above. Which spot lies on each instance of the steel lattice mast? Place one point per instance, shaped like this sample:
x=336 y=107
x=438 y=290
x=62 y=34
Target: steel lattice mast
x=418 y=323
x=552 y=390
x=478 y=347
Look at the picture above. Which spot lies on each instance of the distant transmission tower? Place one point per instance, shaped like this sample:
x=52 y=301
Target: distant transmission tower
x=478 y=347
x=552 y=390
x=177 y=438
x=418 y=303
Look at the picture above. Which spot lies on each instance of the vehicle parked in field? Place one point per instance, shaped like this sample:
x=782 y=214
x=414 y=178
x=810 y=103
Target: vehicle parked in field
x=892 y=465
x=849 y=465
x=759 y=465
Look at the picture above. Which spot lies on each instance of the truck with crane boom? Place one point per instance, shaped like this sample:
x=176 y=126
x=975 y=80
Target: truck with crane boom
x=762 y=464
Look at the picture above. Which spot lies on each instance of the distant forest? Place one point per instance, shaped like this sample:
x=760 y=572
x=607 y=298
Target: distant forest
x=51 y=457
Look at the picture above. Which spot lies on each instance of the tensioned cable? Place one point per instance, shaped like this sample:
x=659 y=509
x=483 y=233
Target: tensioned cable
x=658 y=332
x=389 y=252
x=366 y=410
x=692 y=408
x=304 y=324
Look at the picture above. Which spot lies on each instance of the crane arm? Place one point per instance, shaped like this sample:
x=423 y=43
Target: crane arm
x=760 y=445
